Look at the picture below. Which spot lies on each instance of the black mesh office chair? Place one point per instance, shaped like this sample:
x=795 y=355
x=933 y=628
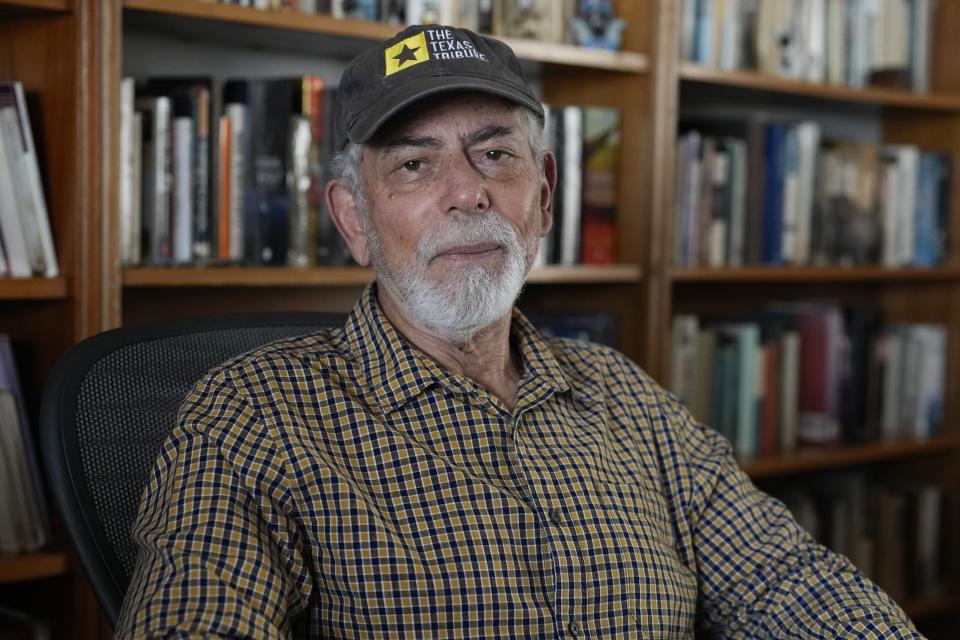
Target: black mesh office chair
x=109 y=405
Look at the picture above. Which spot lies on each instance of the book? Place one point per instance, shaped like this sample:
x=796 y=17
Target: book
x=570 y=197
x=599 y=196
x=156 y=178
x=199 y=99
x=25 y=166
x=11 y=226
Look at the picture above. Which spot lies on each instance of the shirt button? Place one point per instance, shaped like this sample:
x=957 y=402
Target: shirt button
x=574 y=628
x=555 y=517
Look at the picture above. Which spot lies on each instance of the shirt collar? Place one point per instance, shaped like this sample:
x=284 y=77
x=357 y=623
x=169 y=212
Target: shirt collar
x=396 y=371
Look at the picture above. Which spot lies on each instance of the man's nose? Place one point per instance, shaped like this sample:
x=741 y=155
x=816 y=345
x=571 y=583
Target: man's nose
x=466 y=187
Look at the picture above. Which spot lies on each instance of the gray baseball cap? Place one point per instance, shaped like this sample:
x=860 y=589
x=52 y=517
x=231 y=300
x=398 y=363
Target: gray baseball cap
x=418 y=62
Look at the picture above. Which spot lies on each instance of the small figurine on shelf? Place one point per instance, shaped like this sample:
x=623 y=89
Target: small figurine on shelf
x=595 y=25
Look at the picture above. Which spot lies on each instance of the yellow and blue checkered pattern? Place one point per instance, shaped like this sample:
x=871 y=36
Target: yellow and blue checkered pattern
x=344 y=485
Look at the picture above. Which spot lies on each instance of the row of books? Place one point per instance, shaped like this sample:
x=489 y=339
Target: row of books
x=894 y=533
x=810 y=375
x=543 y=20
x=848 y=42
x=24 y=520
x=26 y=243
x=228 y=172
x=777 y=194
x=233 y=171
x=586 y=142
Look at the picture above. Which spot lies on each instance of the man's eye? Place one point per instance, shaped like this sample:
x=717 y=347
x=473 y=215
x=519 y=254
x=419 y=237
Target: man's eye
x=413 y=165
x=494 y=154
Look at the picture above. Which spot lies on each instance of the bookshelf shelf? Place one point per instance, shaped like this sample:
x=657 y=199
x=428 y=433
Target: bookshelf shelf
x=806 y=461
x=31 y=566
x=342 y=276
x=359 y=30
x=872 y=95
x=13 y=6
x=33 y=288
x=814 y=274
x=245 y=276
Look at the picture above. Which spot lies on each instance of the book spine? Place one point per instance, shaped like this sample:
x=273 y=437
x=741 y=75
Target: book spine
x=183 y=192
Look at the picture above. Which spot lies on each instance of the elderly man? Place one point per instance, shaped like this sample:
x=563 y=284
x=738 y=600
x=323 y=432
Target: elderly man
x=437 y=469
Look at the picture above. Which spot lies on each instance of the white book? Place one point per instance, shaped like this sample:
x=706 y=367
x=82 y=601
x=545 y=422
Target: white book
x=808 y=138
x=30 y=168
x=298 y=171
x=816 y=40
x=729 y=34
x=237 y=113
x=13 y=149
x=572 y=185
x=888 y=211
x=183 y=190
x=14 y=240
x=836 y=45
x=128 y=236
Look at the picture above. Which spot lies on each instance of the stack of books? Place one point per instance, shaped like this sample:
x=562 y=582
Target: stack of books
x=810 y=376
x=849 y=42
x=773 y=193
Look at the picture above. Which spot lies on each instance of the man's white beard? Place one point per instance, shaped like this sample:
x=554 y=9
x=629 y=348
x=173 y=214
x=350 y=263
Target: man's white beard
x=468 y=298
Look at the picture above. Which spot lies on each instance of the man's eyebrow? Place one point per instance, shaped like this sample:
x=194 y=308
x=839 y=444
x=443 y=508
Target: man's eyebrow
x=486 y=133
x=412 y=141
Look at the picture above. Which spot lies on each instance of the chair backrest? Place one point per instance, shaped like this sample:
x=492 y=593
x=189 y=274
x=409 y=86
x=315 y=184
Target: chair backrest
x=107 y=409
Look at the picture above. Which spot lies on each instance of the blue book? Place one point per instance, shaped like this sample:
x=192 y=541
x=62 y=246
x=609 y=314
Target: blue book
x=773 y=195
x=925 y=247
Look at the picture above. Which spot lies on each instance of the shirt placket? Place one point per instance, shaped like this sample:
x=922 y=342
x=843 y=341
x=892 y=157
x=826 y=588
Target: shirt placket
x=561 y=553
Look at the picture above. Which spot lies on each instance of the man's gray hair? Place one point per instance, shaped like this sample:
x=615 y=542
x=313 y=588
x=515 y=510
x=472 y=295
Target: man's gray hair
x=345 y=165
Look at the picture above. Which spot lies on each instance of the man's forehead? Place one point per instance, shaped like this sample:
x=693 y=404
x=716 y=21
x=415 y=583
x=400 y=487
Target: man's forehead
x=471 y=113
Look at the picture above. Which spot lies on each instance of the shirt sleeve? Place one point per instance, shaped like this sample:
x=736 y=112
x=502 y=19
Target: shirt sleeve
x=760 y=574
x=219 y=549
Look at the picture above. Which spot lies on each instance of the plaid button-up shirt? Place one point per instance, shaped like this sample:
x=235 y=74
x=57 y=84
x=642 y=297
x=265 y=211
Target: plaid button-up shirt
x=344 y=485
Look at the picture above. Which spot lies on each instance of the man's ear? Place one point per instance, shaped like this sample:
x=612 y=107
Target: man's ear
x=349 y=220
x=548 y=192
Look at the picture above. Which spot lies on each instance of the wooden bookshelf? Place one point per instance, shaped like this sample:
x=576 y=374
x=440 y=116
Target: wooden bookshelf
x=871 y=95
x=71 y=61
x=33 y=288
x=817 y=460
x=342 y=276
x=31 y=566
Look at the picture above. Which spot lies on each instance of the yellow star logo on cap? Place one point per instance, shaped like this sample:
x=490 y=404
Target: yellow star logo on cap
x=406 y=53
